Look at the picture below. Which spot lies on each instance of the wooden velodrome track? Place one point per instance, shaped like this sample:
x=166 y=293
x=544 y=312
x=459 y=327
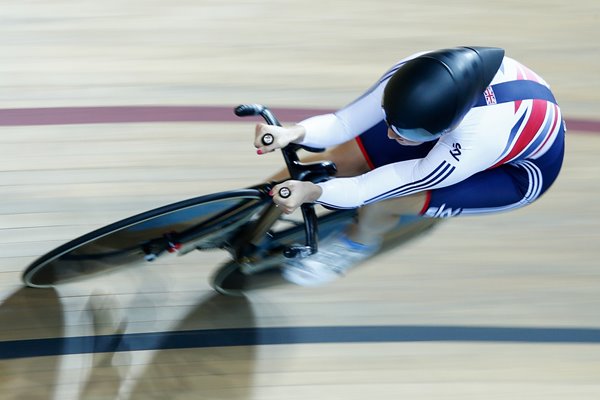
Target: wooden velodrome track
x=498 y=307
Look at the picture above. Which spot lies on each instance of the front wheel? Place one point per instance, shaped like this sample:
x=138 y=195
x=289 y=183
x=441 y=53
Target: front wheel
x=202 y=222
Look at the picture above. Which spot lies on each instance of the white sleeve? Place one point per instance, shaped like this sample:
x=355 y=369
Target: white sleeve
x=331 y=129
x=392 y=180
x=437 y=169
x=351 y=121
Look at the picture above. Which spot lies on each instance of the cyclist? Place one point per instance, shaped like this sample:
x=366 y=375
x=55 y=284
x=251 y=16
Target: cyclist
x=473 y=132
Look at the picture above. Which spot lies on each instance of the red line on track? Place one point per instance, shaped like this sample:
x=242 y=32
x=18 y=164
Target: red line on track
x=135 y=114
x=139 y=114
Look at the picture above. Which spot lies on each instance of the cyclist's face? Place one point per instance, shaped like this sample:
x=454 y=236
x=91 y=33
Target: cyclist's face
x=404 y=142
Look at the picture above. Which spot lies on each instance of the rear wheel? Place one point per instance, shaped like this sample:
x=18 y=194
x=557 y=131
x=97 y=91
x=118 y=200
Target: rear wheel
x=235 y=279
x=198 y=223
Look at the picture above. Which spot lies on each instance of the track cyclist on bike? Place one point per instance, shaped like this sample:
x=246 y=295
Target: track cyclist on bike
x=472 y=131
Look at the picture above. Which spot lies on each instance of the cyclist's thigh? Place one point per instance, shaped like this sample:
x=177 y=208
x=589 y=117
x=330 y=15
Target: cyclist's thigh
x=506 y=187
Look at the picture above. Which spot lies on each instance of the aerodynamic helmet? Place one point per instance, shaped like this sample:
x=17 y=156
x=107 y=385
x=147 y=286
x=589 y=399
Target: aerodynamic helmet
x=430 y=94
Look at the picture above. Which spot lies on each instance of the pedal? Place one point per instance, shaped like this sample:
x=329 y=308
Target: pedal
x=231 y=281
x=250 y=266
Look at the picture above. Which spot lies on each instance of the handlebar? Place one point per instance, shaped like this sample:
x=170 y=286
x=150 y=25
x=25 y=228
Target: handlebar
x=297 y=172
x=247 y=110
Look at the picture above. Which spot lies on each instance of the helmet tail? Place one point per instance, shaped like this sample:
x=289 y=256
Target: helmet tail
x=491 y=59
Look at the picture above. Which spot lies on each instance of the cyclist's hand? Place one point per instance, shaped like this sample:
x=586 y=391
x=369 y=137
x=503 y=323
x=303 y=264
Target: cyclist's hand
x=290 y=195
x=279 y=137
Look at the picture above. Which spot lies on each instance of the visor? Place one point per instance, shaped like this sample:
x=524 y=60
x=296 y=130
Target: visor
x=413 y=135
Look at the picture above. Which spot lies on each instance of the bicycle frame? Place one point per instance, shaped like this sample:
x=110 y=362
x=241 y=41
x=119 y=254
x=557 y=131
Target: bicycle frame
x=238 y=221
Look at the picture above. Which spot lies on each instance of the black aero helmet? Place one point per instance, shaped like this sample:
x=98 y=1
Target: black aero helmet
x=431 y=93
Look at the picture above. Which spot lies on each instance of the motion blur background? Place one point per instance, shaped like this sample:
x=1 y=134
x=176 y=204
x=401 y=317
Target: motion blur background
x=535 y=268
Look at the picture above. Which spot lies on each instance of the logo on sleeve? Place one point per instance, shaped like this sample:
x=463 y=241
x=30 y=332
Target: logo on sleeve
x=455 y=152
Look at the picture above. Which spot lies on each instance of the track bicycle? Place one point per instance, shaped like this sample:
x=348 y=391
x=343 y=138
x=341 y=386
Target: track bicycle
x=244 y=222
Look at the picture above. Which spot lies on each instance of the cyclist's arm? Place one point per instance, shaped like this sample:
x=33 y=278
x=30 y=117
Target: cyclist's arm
x=331 y=129
x=357 y=117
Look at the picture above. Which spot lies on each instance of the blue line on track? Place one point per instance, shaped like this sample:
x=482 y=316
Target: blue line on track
x=292 y=335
